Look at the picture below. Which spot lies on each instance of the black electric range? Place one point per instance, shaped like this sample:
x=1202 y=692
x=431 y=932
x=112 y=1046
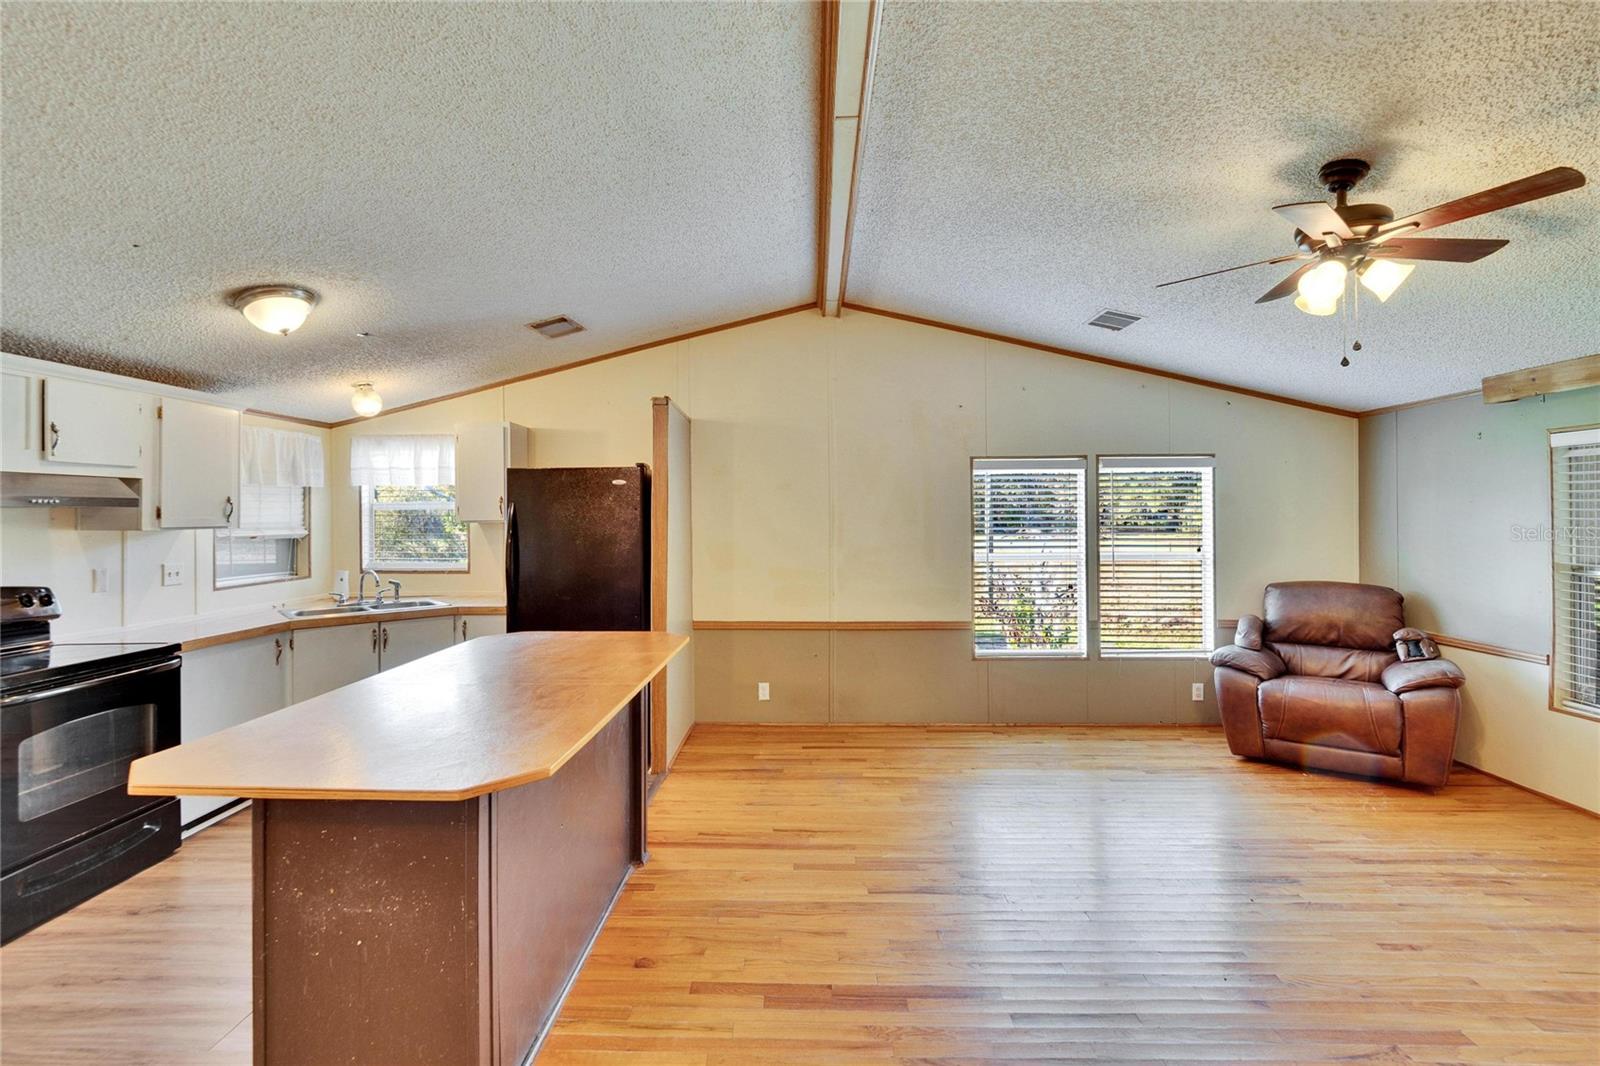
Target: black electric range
x=73 y=716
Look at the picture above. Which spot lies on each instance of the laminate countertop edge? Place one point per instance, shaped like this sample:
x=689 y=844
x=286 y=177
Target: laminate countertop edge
x=259 y=622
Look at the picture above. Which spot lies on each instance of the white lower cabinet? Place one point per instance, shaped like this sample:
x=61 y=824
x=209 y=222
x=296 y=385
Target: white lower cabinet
x=412 y=638
x=228 y=684
x=479 y=625
x=326 y=658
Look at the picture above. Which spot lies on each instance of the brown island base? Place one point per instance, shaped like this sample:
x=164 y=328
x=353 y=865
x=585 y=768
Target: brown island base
x=436 y=847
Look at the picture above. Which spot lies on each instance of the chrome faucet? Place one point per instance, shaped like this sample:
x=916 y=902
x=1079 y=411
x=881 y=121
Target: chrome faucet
x=361 y=585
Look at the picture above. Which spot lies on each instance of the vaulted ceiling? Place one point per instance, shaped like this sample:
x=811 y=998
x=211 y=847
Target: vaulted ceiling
x=444 y=174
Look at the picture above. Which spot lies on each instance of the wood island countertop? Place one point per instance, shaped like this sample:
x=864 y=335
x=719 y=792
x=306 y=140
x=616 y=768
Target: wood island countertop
x=478 y=717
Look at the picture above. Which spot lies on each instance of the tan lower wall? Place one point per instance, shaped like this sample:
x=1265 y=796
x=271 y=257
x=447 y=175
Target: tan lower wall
x=847 y=675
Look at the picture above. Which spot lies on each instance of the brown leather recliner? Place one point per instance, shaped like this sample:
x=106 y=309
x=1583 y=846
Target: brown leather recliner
x=1318 y=684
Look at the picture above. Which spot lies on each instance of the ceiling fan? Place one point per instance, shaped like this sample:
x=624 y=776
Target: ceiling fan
x=1342 y=239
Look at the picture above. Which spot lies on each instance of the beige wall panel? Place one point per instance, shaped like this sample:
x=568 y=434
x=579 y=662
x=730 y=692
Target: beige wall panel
x=1132 y=691
x=760 y=402
x=1042 y=404
x=1470 y=474
x=908 y=415
x=45 y=547
x=1286 y=490
x=1053 y=691
x=1507 y=730
x=1380 y=505
x=597 y=415
x=907 y=676
x=486 y=543
x=728 y=664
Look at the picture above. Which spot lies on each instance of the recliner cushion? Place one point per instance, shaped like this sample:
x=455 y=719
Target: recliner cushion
x=1354 y=715
x=1346 y=664
x=1336 y=613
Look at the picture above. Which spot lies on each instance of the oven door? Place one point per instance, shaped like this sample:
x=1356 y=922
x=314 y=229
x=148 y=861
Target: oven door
x=64 y=755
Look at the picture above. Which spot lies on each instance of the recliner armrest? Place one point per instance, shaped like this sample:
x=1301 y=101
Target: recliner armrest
x=1422 y=673
x=1258 y=662
x=1247 y=634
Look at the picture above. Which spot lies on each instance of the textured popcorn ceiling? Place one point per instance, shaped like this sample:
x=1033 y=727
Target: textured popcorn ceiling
x=1028 y=165
x=441 y=174
x=445 y=173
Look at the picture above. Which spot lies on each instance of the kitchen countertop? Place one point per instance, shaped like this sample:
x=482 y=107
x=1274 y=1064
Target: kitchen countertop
x=478 y=717
x=225 y=627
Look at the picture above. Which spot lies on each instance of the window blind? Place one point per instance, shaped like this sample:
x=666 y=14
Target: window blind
x=1028 y=556
x=1156 y=533
x=412 y=528
x=264 y=546
x=1575 y=504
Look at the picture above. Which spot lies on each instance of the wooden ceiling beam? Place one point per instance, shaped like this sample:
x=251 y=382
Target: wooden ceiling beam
x=1568 y=374
x=849 y=45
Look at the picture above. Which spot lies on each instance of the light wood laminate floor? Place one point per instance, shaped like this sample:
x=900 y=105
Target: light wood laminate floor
x=831 y=895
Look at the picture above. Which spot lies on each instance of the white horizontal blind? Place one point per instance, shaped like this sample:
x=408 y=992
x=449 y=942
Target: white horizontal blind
x=412 y=528
x=1575 y=496
x=1028 y=556
x=1156 y=555
x=266 y=543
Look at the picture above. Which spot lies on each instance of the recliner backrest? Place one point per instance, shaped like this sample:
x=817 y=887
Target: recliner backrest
x=1335 y=614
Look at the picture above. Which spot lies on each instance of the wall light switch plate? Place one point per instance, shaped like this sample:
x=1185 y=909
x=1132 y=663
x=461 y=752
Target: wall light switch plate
x=99 y=579
x=171 y=574
x=1197 y=691
x=763 y=690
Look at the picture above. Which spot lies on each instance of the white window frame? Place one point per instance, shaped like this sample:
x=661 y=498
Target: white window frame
x=1077 y=557
x=1208 y=553
x=299 y=536
x=366 y=505
x=1564 y=696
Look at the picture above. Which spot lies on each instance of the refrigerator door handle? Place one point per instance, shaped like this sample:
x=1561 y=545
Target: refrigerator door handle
x=512 y=575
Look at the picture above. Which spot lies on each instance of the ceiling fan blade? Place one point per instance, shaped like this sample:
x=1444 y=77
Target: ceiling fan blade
x=1439 y=249
x=1512 y=193
x=1286 y=286
x=1316 y=219
x=1241 y=266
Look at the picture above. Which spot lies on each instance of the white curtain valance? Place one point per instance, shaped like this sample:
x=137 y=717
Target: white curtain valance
x=280 y=458
x=403 y=460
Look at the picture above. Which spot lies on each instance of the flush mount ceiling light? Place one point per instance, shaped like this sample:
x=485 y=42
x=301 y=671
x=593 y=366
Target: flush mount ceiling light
x=366 y=402
x=276 y=309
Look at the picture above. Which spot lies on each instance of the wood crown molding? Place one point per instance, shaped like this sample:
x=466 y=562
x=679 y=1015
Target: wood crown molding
x=1564 y=376
x=1106 y=361
x=632 y=349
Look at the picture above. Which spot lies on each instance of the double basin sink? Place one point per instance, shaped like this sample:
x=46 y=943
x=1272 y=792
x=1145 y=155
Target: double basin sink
x=371 y=607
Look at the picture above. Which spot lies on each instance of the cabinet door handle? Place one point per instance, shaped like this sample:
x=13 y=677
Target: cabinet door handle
x=463 y=629
x=227 y=508
x=55 y=437
x=385 y=638
x=502 y=506
x=374 y=639
x=277 y=653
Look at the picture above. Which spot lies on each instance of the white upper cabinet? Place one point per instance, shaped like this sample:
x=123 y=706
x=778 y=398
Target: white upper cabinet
x=199 y=465
x=86 y=424
x=483 y=452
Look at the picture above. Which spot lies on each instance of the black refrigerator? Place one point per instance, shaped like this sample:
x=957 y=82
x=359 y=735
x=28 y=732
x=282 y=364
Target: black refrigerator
x=578 y=548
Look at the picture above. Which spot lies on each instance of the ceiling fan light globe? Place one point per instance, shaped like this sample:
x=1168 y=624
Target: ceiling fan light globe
x=1322 y=285
x=1323 y=308
x=1383 y=276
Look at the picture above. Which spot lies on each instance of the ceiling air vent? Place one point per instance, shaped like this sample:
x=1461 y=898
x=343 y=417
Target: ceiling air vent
x=1114 y=320
x=552 y=328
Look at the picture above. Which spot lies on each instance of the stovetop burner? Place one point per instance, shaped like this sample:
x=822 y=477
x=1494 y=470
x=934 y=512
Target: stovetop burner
x=28 y=656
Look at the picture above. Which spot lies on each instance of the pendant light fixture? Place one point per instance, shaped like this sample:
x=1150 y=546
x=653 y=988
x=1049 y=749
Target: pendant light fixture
x=366 y=402
x=276 y=309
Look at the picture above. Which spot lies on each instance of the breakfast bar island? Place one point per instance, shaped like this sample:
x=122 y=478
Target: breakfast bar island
x=435 y=847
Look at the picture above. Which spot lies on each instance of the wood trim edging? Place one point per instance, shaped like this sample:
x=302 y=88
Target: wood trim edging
x=294 y=625
x=868 y=66
x=1563 y=376
x=830 y=626
x=828 y=12
x=632 y=349
x=1119 y=364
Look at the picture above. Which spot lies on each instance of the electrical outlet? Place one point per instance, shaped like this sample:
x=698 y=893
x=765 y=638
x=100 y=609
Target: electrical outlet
x=1197 y=691
x=763 y=690
x=171 y=574
x=99 y=579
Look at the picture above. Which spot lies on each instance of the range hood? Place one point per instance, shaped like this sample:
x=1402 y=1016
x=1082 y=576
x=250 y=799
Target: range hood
x=65 y=490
